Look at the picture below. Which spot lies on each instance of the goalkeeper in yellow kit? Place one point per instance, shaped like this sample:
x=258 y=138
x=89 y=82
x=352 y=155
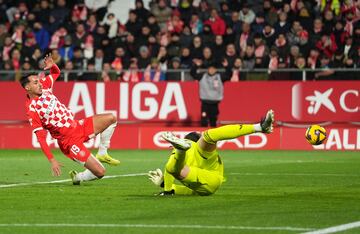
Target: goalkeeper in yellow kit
x=195 y=161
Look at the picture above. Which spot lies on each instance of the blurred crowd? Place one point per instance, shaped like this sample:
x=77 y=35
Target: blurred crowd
x=165 y=35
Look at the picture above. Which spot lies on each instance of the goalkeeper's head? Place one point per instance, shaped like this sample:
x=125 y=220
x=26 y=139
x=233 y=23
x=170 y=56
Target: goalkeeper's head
x=193 y=136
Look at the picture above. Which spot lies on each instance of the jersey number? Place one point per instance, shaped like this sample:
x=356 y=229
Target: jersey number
x=75 y=150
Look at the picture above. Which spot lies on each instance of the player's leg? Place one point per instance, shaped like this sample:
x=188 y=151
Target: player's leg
x=210 y=137
x=171 y=188
x=204 y=114
x=105 y=124
x=200 y=181
x=94 y=170
x=213 y=114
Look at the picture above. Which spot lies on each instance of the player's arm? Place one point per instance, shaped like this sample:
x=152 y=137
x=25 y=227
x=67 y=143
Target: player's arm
x=55 y=165
x=41 y=136
x=54 y=69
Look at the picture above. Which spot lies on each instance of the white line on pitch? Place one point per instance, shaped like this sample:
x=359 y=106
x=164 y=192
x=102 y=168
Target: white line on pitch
x=334 y=229
x=63 y=181
x=115 y=225
x=294 y=174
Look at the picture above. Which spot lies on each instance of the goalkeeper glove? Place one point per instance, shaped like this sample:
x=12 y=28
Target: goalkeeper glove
x=156 y=177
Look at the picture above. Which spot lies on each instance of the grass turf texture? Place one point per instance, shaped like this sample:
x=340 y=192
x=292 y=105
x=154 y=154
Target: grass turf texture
x=315 y=190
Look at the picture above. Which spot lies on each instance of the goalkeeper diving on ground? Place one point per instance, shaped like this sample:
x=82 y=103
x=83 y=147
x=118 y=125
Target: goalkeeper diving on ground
x=195 y=160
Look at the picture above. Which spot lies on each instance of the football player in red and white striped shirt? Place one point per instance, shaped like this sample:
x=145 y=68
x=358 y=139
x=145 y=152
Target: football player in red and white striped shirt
x=46 y=113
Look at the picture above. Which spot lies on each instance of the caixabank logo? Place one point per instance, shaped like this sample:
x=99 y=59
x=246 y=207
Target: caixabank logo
x=325 y=103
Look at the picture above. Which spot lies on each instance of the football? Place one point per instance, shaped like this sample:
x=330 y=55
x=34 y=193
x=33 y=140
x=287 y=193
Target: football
x=315 y=135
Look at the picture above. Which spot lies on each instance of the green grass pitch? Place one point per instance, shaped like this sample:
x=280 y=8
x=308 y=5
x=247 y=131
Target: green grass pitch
x=265 y=192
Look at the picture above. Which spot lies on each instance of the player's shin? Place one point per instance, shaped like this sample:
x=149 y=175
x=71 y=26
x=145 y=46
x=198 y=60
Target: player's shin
x=168 y=181
x=227 y=132
x=105 y=137
x=176 y=163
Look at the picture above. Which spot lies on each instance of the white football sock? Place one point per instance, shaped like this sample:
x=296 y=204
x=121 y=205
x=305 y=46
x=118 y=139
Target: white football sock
x=86 y=175
x=105 y=137
x=257 y=127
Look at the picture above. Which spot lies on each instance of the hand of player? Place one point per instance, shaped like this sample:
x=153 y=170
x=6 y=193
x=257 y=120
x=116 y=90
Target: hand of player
x=48 y=61
x=156 y=177
x=55 y=167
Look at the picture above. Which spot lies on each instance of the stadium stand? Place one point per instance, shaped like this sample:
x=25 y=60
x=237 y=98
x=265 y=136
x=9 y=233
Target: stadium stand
x=93 y=38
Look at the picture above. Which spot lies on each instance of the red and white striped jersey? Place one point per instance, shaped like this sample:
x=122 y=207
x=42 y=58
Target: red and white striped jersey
x=47 y=112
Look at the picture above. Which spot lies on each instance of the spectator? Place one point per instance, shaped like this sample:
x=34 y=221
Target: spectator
x=153 y=25
x=207 y=58
x=142 y=13
x=90 y=73
x=327 y=45
x=144 y=59
x=57 y=58
x=60 y=12
x=282 y=46
x=79 y=37
x=43 y=15
x=99 y=59
x=230 y=54
x=174 y=75
x=300 y=63
x=162 y=57
x=162 y=13
x=185 y=59
x=186 y=37
x=204 y=12
x=218 y=49
x=120 y=60
x=111 y=22
x=246 y=14
x=294 y=54
x=175 y=24
x=3 y=34
x=153 y=72
x=327 y=72
x=248 y=57
x=78 y=61
x=269 y=35
x=35 y=58
x=313 y=61
x=211 y=91
x=243 y=38
x=207 y=36
x=132 y=74
x=107 y=75
x=234 y=23
x=42 y=36
x=261 y=50
x=349 y=48
x=29 y=46
x=196 y=47
x=216 y=23
x=236 y=74
x=173 y=48
x=283 y=25
x=67 y=50
x=91 y=24
x=68 y=75
x=196 y=24
x=259 y=24
x=9 y=76
x=133 y=25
